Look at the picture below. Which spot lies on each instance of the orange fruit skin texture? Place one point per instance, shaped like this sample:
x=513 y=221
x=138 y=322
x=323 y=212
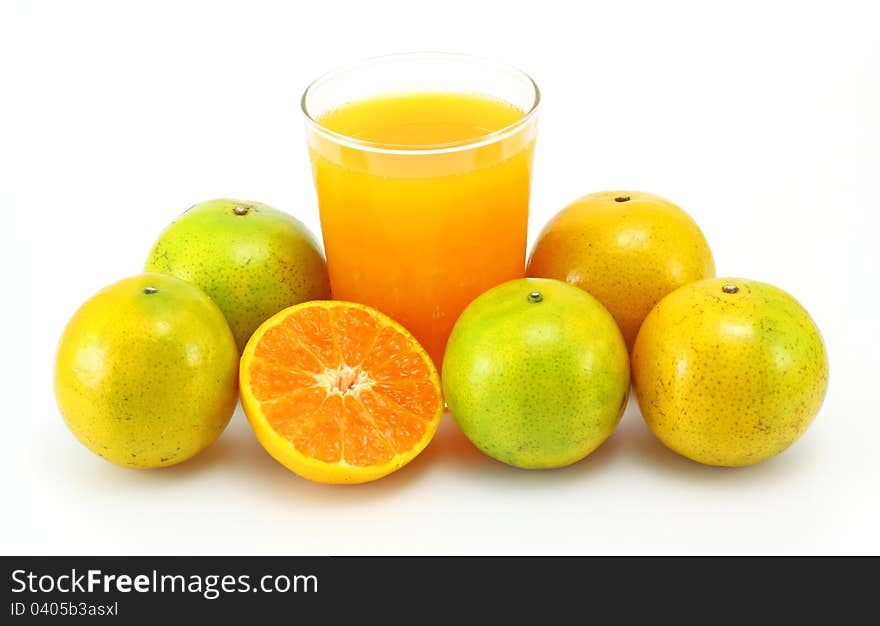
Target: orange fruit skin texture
x=627 y=254
x=383 y=415
x=536 y=385
x=147 y=380
x=729 y=379
x=251 y=264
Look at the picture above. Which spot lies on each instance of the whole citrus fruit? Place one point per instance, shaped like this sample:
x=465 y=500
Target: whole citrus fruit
x=146 y=372
x=627 y=248
x=536 y=373
x=729 y=371
x=338 y=392
x=251 y=259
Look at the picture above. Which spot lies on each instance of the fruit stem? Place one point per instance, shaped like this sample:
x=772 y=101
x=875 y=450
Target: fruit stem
x=535 y=296
x=730 y=289
x=241 y=210
x=622 y=199
x=148 y=291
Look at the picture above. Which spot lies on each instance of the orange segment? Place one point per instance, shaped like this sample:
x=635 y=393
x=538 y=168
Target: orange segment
x=389 y=356
x=393 y=421
x=271 y=380
x=338 y=392
x=284 y=350
x=416 y=396
x=312 y=328
x=357 y=331
x=363 y=443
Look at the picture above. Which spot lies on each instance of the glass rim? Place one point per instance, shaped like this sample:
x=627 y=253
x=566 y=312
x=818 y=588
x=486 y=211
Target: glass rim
x=413 y=149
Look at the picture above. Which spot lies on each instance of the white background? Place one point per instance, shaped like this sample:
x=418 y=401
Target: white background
x=762 y=119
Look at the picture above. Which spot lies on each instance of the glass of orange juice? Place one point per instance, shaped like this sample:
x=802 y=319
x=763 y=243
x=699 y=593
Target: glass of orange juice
x=422 y=165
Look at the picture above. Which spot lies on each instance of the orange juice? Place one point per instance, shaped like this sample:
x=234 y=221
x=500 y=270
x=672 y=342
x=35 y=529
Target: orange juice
x=424 y=203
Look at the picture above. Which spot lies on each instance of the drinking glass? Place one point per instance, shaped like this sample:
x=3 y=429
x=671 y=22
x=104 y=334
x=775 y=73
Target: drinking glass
x=419 y=227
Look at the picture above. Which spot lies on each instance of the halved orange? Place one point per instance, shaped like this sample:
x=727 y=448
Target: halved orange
x=338 y=392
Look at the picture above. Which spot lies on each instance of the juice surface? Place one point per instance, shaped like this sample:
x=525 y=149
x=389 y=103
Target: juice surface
x=419 y=119
x=415 y=232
